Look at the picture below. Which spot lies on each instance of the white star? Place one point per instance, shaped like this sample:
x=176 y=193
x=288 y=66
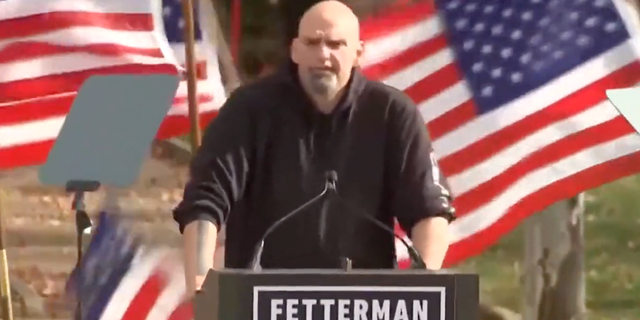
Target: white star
x=471 y=7
x=591 y=22
x=516 y=77
x=558 y=54
x=526 y=58
x=611 y=27
x=477 y=67
x=566 y=35
x=545 y=48
x=488 y=9
x=583 y=40
x=574 y=16
x=487 y=91
x=508 y=12
x=552 y=4
x=600 y=3
x=181 y=23
x=486 y=49
x=453 y=5
x=496 y=73
x=544 y=21
x=527 y=16
x=479 y=27
x=506 y=53
x=166 y=11
x=468 y=45
x=516 y=34
x=461 y=23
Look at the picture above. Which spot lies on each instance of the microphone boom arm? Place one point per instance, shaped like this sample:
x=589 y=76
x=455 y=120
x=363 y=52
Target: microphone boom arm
x=416 y=260
x=257 y=253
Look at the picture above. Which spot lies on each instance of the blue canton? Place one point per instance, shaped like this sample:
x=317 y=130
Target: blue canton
x=508 y=48
x=107 y=260
x=174 y=23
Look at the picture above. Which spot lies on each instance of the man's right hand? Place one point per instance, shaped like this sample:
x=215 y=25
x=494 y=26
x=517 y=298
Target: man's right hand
x=199 y=247
x=199 y=282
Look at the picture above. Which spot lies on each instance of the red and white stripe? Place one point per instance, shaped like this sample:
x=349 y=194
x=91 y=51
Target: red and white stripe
x=49 y=47
x=557 y=141
x=153 y=289
x=211 y=92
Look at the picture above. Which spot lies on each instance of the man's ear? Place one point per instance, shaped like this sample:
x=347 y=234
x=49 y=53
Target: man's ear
x=359 y=54
x=295 y=50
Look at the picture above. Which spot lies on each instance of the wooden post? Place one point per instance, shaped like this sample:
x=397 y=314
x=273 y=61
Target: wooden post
x=7 y=311
x=554 y=284
x=230 y=75
x=190 y=57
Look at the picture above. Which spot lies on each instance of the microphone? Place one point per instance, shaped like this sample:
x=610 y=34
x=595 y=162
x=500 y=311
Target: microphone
x=416 y=260
x=330 y=185
x=331 y=178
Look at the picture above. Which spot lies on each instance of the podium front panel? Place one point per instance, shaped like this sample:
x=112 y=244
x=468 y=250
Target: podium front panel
x=321 y=295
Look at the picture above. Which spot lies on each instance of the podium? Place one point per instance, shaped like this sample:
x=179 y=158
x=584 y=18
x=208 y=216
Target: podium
x=337 y=295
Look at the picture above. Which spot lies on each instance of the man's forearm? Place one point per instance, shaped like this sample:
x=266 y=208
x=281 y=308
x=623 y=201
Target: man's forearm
x=431 y=238
x=199 y=247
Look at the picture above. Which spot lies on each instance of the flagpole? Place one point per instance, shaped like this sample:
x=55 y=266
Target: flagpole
x=190 y=65
x=7 y=312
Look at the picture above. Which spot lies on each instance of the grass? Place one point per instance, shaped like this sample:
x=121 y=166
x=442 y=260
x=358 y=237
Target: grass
x=612 y=237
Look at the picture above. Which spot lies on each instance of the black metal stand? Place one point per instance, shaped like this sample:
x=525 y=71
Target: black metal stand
x=83 y=222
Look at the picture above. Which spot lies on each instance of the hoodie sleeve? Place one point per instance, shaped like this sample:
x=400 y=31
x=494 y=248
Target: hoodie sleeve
x=419 y=190
x=220 y=168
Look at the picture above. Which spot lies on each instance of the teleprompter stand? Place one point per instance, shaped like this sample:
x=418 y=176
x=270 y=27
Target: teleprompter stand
x=104 y=140
x=336 y=294
x=83 y=222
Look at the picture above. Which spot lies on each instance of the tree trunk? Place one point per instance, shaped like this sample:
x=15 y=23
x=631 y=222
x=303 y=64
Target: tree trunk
x=554 y=285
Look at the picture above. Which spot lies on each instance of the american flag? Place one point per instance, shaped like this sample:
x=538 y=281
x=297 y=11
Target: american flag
x=513 y=93
x=119 y=279
x=211 y=93
x=49 y=47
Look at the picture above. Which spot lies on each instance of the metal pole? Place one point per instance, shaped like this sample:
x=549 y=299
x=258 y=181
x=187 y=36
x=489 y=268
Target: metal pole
x=7 y=311
x=190 y=65
x=83 y=222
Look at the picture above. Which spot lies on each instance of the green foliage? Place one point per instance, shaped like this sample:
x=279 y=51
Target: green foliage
x=612 y=226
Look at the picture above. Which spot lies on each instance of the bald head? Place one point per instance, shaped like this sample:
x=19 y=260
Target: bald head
x=327 y=48
x=333 y=14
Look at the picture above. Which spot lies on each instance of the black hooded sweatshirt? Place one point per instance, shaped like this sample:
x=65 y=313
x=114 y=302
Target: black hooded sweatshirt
x=268 y=151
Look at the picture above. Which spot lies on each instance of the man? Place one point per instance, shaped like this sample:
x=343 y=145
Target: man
x=272 y=143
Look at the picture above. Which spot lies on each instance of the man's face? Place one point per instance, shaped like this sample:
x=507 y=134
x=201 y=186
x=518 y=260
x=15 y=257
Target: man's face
x=325 y=54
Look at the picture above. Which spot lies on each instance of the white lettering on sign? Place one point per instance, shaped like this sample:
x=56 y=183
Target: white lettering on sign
x=349 y=303
x=380 y=312
x=327 y=303
x=401 y=311
x=360 y=309
x=419 y=310
x=343 y=309
x=308 y=304
x=347 y=309
x=292 y=309
x=276 y=308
